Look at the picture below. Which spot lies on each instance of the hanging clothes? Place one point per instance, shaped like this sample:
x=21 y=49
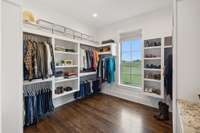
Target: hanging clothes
x=38 y=60
x=106 y=69
x=88 y=60
x=168 y=75
x=37 y=102
x=88 y=88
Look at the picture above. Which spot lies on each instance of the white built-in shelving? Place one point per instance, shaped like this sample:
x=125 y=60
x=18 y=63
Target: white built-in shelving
x=151 y=49
x=153 y=67
x=59 y=56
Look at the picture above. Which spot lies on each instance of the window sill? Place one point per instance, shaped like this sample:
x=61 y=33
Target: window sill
x=132 y=88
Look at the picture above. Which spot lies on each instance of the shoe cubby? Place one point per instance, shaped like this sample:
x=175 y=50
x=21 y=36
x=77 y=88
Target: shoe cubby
x=65 y=87
x=153 y=65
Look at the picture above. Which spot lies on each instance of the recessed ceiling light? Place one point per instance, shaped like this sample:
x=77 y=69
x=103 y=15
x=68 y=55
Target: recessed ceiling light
x=95 y=15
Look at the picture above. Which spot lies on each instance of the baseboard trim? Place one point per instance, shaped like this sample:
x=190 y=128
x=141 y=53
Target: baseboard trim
x=129 y=97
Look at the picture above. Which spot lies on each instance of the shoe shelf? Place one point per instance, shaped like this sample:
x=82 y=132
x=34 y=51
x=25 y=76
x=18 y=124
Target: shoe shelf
x=64 y=93
x=151 y=69
x=153 y=80
x=153 y=58
x=153 y=62
x=153 y=47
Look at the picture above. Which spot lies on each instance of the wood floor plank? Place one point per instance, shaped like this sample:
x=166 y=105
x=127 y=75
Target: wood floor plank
x=102 y=114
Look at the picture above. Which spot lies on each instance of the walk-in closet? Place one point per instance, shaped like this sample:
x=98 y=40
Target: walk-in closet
x=89 y=66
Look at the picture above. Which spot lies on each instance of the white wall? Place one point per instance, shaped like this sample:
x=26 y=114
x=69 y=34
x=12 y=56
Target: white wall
x=11 y=68
x=0 y=67
x=188 y=49
x=153 y=24
x=43 y=12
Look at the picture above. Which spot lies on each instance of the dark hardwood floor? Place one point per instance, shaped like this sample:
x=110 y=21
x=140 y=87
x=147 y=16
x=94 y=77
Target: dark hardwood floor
x=101 y=114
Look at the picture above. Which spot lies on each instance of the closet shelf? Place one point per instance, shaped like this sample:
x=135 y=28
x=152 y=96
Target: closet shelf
x=37 y=81
x=151 y=69
x=154 y=58
x=87 y=73
x=59 y=80
x=152 y=80
x=104 y=53
x=67 y=53
x=67 y=66
x=65 y=93
x=170 y=46
x=153 y=95
x=154 y=47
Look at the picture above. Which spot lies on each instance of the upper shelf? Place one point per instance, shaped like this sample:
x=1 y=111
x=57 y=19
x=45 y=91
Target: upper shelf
x=68 y=53
x=50 y=35
x=154 y=47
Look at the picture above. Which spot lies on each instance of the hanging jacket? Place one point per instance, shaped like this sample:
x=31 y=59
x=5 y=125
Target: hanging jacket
x=110 y=65
x=168 y=76
x=28 y=59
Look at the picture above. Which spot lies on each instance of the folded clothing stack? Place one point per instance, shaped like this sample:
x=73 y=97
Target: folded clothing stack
x=70 y=75
x=58 y=73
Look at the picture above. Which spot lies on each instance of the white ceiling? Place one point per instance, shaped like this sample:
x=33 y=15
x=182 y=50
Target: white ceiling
x=109 y=11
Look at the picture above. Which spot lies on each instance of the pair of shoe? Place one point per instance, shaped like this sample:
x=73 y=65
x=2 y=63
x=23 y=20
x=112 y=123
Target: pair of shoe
x=152 y=44
x=61 y=89
x=152 y=76
x=163 y=114
x=152 y=90
x=153 y=66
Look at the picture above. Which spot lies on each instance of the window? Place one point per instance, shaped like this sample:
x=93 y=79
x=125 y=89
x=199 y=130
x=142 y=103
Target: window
x=131 y=59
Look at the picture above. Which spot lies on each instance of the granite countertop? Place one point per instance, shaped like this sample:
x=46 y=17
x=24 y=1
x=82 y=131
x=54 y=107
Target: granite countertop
x=189 y=114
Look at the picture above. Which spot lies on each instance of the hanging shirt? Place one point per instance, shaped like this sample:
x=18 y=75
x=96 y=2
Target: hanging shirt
x=49 y=59
x=110 y=69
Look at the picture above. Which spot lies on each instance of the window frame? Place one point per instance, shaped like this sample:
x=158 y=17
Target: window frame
x=119 y=67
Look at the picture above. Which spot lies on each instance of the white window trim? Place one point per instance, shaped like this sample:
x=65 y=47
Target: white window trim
x=119 y=70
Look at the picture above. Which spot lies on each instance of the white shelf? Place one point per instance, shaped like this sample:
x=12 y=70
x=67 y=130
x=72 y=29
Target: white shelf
x=37 y=81
x=59 y=80
x=170 y=46
x=64 y=94
x=106 y=45
x=153 y=95
x=87 y=73
x=154 y=47
x=67 y=66
x=151 y=69
x=154 y=58
x=152 y=80
x=104 y=53
x=67 y=53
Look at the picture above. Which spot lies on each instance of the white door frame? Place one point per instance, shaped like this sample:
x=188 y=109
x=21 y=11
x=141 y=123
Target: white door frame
x=174 y=24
